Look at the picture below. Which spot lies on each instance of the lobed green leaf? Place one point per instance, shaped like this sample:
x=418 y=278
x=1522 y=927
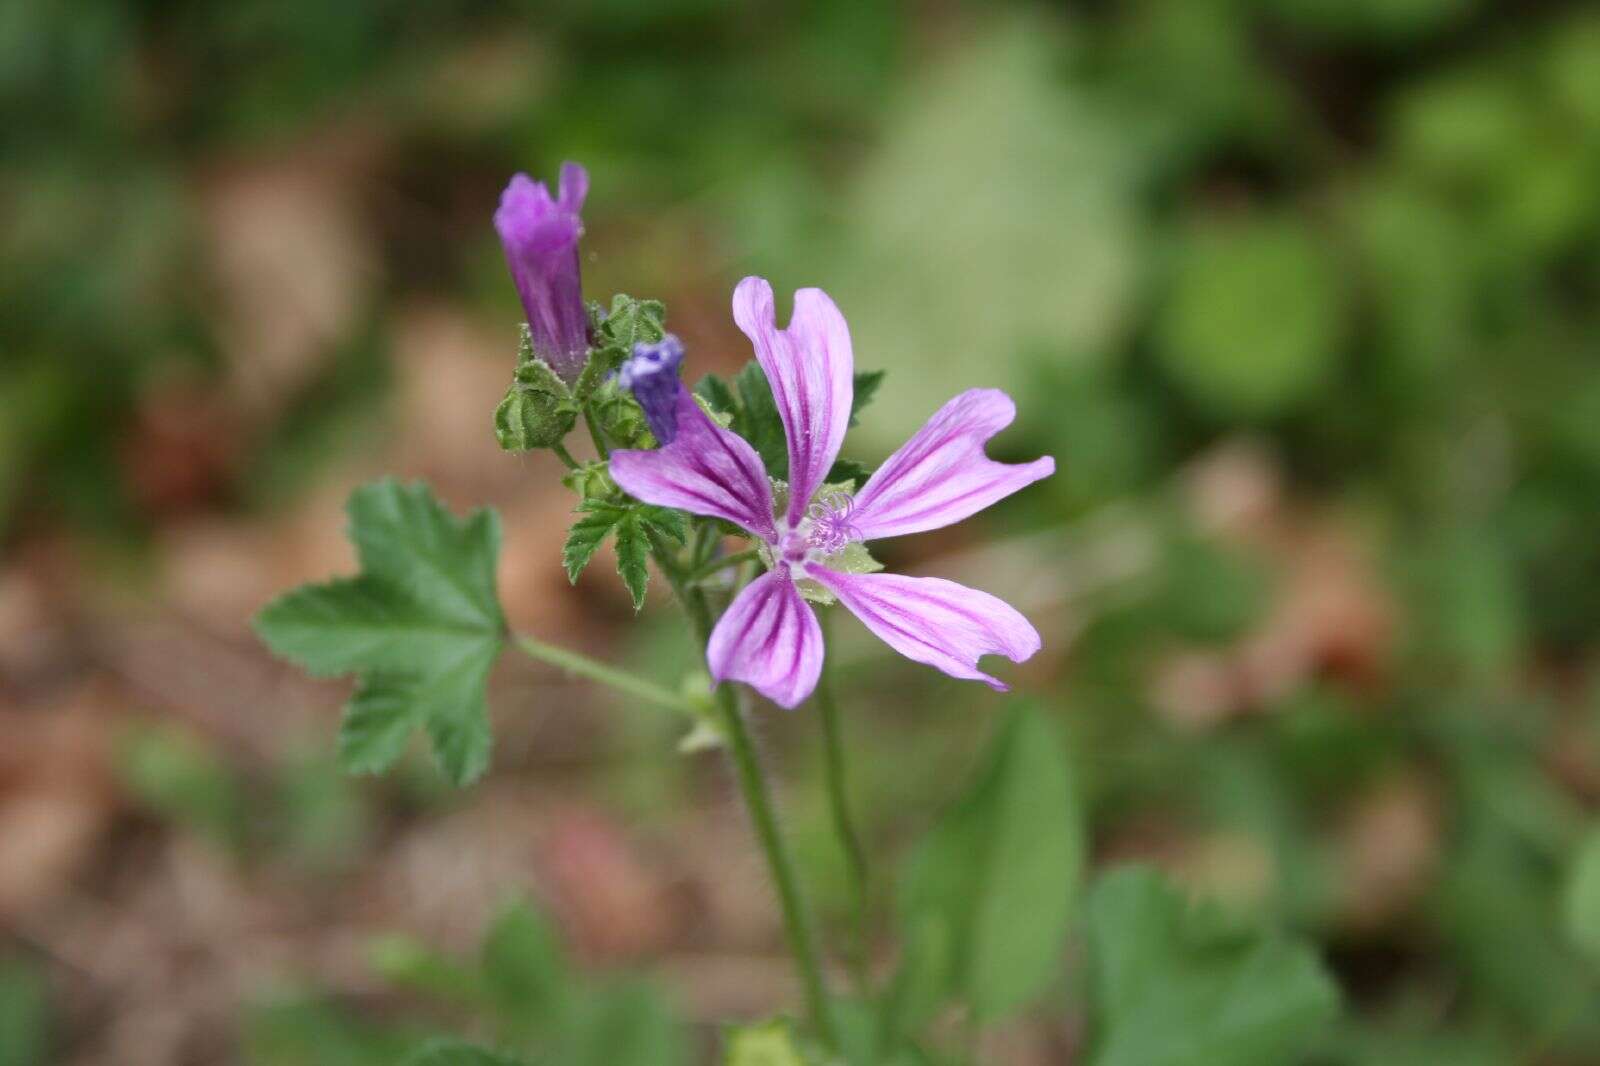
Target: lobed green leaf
x=633 y=524
x=586 y=535
x=421 y=625
x=633 y=553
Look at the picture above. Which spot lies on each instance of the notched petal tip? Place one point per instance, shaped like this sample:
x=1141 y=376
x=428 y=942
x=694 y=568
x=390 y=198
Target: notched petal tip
x=754 y=309
x=937 y=622
x=574 y=186
x=809 y=366
x=943 y=474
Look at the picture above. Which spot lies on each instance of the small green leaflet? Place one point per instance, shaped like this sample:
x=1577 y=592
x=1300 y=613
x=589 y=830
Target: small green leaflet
x=755 y=417
x=635 y=526
x=537 y=411
x=420 y=625
x=1172 y=989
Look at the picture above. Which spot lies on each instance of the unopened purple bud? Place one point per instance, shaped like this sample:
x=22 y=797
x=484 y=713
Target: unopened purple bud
x=652 y=376
x=540 y=235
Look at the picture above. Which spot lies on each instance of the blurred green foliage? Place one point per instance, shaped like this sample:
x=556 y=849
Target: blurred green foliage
x=520 y=992
x=1175 y=988
x=991 y=892
x=25 y=1028
x=1366 y=233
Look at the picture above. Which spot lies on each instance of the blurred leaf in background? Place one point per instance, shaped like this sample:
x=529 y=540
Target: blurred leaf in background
x=24 y=1015
x=1363 y=237
x=1583 y=897
x=1174 y=989
x=990 y=894
x=994 y=218
x=1250 y=329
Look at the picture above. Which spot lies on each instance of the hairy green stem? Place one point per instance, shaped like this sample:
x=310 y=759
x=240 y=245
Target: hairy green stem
x=582 y=666
x=757 y=798
x=843 y=824
x=700 y=573
x=595 y=434
x=564 y=455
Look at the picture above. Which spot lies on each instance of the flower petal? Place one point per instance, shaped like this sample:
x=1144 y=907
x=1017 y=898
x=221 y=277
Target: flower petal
x=540 y=237
x=810 y=368
x=941 y=474
x=769 y=639
x=706 y=470
x=574 y=188
x=934 y=621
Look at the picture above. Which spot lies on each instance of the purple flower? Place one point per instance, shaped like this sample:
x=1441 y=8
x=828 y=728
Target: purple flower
x=652 y=375
x=540 y=236
x=769 y=637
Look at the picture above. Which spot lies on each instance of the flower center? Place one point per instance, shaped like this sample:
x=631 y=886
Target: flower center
x=825 y=530
x=829 y=518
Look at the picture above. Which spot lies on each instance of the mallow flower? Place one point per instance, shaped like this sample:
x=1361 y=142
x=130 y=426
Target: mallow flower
x=769 y=637
x=540 y=236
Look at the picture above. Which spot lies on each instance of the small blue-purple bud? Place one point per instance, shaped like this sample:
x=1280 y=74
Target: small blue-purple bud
x=540 y=235
x=652 y=376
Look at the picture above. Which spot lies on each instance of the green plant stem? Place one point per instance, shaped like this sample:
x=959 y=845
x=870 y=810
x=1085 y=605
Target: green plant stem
x=700 y=573
x=564 y=455
x=843 y=824
x=753 y=784
x=582 y=666
x=595 y=434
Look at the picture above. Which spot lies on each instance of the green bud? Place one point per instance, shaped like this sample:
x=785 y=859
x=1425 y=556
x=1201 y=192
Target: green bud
x=621 y=417
x=537 y=411
x=591 y=481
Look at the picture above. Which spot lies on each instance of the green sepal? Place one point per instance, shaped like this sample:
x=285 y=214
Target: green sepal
x=853 y=558
x=592 y=481
x=620 y=416
x=538 y=410
x=628 y=322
